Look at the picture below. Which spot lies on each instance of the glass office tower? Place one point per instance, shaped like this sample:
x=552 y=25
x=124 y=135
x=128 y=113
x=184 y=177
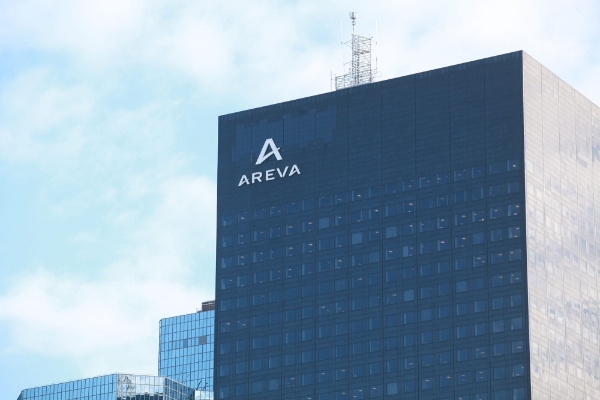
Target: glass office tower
x=562 y=155
x=112 y=387
x=186 y=348
x=425 y=237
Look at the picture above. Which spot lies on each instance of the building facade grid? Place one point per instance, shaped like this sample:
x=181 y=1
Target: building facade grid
x=186 y=348
x=394 y=264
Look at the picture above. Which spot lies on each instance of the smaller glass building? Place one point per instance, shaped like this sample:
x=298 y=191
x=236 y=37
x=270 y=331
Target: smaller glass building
x=113 y=387
x=186 y=349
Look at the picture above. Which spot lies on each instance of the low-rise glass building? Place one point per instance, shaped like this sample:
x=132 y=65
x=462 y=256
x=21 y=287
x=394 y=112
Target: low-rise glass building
x=186 y=347
x=113 y=387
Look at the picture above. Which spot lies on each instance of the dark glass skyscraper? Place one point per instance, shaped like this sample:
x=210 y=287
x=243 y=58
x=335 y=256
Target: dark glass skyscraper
x=425 y=237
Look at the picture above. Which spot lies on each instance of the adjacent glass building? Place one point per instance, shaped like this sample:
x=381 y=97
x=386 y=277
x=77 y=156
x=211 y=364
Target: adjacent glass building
x=186 y=348
x=427 y=237
x=112 y=387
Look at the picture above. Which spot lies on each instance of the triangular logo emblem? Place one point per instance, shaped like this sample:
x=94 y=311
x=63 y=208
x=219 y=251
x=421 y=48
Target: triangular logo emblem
x=274 y=150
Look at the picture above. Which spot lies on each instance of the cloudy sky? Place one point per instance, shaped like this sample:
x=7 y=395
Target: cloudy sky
x=108 y=138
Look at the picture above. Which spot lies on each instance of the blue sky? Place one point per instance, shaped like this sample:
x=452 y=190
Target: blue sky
x=108 y=138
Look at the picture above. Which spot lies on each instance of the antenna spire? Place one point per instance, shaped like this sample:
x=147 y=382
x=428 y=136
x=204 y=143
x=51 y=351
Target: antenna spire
x=360 y=71
x=353 y=16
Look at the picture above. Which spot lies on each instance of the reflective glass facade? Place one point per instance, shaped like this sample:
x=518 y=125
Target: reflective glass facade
x=376 y=248
x=112 y=387
x=186 y=349
x=562 y=158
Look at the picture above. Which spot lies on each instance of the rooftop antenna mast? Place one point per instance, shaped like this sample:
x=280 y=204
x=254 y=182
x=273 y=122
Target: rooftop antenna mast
x=360 y=71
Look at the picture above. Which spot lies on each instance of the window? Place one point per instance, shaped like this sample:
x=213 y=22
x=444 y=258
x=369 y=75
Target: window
x=444 y=334
x=514 y=255
x=275 y=232
x=445 y=357
x=443 y=266
x=495 y=190
x=442 y=200
x=445 y=381
x=478 y=238
x=444 y=312
x=516 y=324
x=460 y=175
x=498 y=326
x=513 y=209
x=390 y=232
x=478 y=216
x=257 y=365
x=427 y=383
x=516 y=300
x=499 y=372
x=462 y=355
x=324 y=222
x=480 y=329
x=517 y=346
x=460 y=219
x=514 y=232
x=479 y=306
x=442 y=223
x=427 y=360
x=499 y=349
x=427 y=314
x=443 y=289
x=392 y=388
x=443 y=244
x=242 y=302
x=477 y=172
x=425 y=226
x=477 y=194
x=497 y=303
x=495 y=235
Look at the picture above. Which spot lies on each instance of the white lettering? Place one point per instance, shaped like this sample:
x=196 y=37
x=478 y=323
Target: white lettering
x=294 y=170
x=263 y=156
x=244 y=181
x=284 y=171
x=256 y=176
x=269 y=175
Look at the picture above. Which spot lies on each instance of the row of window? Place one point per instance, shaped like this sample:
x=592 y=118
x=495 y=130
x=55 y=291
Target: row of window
x=374 y=278
x=426 y=314
x=376 y=191
x=389 y=276
x=408 y=228
x=389 y=232
x=340 y=351
x=377 y=368
x=390 y=321
x=391 y=253
x=393 y=388
x=183 y=343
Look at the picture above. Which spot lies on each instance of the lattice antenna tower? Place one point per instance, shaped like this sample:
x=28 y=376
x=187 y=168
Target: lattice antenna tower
x=360 y=71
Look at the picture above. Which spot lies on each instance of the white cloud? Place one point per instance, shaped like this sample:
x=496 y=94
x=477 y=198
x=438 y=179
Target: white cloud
x=288 y=48
x=110 y=322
